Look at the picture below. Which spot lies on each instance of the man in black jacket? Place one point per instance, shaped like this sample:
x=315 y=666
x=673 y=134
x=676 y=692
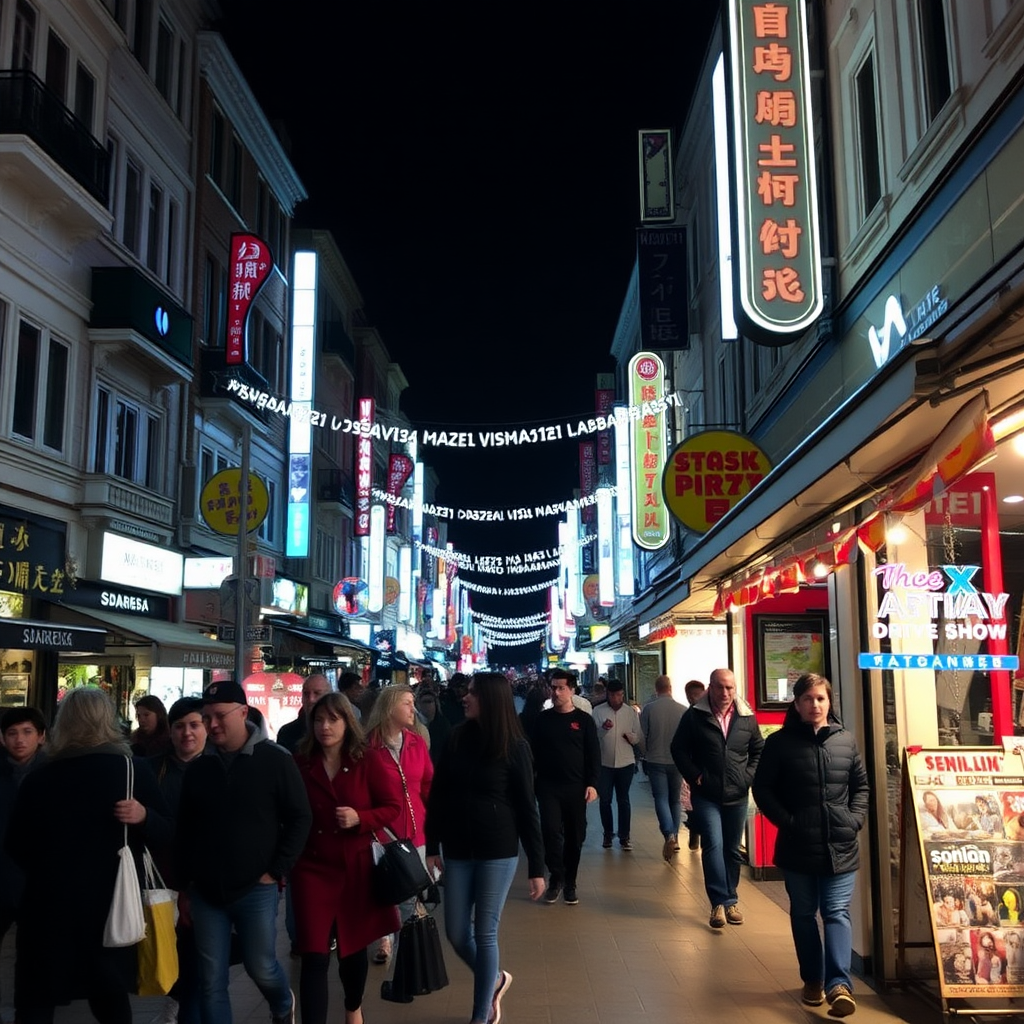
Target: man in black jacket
x=716 y=749
x=242 y=823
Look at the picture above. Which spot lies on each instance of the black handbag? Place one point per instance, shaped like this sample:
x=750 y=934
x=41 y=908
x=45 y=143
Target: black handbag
x=398 y=872
x=419 y=961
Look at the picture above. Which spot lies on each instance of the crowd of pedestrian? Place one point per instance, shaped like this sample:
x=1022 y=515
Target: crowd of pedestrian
x=232 y=818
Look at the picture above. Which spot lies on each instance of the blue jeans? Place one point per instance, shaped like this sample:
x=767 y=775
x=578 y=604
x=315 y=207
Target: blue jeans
x=474 y=895
x=830 y=896
x=721 y=828
x=666 y=783
x=615 y=782
x=254 y=917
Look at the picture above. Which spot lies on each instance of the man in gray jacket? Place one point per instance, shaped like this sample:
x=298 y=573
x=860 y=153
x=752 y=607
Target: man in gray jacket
x=659 y=720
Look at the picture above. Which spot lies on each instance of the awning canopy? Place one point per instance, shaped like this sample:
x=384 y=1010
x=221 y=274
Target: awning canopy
x=37 y=635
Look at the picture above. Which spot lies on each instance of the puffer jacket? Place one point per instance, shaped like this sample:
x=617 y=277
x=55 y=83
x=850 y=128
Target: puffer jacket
x=718 y=768
x=814 y=788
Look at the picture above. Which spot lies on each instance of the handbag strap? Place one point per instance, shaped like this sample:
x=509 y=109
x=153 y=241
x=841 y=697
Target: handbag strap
x=129 y=789
x=408 y=799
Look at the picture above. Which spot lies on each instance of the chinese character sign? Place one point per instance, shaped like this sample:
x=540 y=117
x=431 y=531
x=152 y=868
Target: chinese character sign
x=364 y=469
x=399 y=471
x=250 y=266
x=778 y=265
x=661 y=271
x=648 y=447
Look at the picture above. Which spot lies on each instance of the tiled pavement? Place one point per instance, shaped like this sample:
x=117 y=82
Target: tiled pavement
x=636 y=949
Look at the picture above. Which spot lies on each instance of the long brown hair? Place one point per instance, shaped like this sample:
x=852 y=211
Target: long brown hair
x=335 y=705
x=498 y=722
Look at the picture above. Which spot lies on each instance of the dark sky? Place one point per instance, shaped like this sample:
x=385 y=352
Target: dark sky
x=477 y=165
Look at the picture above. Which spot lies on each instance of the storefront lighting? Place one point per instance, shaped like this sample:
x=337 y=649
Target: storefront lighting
x=1009 y=424
x=1013 y=499
x=897 y=534
x=1018 y=444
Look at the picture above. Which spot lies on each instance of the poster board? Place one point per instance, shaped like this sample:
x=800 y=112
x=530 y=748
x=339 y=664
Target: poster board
x=968 y=807
x=787 y=647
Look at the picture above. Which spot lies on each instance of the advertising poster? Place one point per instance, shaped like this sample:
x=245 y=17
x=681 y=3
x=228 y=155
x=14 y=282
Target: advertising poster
x=968 y=803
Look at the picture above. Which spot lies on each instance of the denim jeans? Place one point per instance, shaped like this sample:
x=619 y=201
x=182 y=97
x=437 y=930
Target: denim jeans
x=721 y=829
x=828 y=895
x=254 y=917
x=615 y=782
x=666 y=783
x=474 y=896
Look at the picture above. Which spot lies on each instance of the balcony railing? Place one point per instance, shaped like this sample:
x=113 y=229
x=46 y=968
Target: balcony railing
x=334 y=486
x=27 y=107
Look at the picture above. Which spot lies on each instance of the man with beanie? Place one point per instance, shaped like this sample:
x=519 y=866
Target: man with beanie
x=242 y=823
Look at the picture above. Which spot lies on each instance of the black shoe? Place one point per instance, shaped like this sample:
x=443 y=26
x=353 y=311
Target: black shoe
x=625 y=844
x=393 y=995
x=607 y=843
x=551 y=892
x=570 y=896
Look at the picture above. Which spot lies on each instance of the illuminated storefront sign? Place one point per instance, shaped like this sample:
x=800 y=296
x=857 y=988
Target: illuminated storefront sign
x=905 y=328
x=940 y=604
x=405 y=583
x=399 y=471
x=131 y=563
x=251 y=264
x=605 y=548
x=657 y=184
x=204 y=573
x=710 y=472
x=32 y=558
x=664 y=289
x=220 y=502
x=300 y=431
x=364 y=470
x=648 y=445
x=778 y=263
x=375 y=573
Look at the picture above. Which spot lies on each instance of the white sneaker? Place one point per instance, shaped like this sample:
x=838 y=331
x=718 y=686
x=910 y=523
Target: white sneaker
x=169 y=1014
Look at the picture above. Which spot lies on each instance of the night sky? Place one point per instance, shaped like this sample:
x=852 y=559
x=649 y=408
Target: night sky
x=477 y=165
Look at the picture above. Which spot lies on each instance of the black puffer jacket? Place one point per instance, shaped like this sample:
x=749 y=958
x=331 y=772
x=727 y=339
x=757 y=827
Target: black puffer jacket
x=813 y=787
x=718 y=768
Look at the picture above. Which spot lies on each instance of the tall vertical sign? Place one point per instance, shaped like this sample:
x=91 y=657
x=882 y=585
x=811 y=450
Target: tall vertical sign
x=588 y=476
x=364 y=469
x=648 y=446
x=623 y=506
x=604 y=398
x=657 y=191
x=399 y=471
x=375 y=572
x=251 y=264
x=300 y=432
x=777 y=261
x=663 y=285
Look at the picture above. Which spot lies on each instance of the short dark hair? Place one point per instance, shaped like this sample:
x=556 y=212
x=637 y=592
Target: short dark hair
x=184 y=706
x=564 y=673
x=808 y=680
x=614 y=686
x=15 y=716
x=348 y=680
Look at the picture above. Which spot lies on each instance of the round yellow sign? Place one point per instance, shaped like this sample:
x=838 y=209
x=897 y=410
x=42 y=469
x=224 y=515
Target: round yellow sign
x=709 y=473
x=221 y=502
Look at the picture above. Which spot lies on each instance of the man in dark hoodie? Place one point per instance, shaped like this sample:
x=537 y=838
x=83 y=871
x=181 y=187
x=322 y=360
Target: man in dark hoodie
x=242 y=823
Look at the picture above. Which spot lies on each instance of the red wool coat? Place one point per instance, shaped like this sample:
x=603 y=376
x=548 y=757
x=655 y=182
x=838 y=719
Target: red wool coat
x=331 y=880
x=419 y=774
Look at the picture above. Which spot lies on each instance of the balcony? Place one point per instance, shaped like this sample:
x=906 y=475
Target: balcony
x=111 y=497
x=51 y=154
x=219 y=387
x=335 y=487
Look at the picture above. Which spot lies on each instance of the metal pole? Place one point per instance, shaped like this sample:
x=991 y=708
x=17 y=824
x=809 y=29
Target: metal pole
x=241 y=569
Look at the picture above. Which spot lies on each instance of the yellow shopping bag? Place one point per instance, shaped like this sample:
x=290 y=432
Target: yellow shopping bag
x=158 y=951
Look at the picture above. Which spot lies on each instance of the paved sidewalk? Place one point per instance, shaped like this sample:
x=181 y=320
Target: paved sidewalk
x=636 y=949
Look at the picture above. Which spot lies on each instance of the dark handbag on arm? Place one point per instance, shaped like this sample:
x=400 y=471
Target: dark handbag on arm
x=398 y=872
x=419 y=960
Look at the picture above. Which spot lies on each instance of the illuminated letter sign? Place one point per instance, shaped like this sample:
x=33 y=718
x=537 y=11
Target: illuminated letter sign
x=777 y=261
x=251 y=264
x=300 y=430
x=364 y=469
x=647 y=448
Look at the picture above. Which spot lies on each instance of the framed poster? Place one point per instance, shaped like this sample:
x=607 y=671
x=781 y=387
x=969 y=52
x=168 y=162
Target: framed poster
x=787 y=647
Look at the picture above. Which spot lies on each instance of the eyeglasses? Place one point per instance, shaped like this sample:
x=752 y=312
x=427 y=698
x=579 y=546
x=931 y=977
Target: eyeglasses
x=219 y=716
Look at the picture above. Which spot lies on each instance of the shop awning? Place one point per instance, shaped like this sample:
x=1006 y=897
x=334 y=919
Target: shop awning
x=177 y=645
x=36 y=635
x=321 y=637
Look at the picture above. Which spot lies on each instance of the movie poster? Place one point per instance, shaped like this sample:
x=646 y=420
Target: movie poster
x=969 y=808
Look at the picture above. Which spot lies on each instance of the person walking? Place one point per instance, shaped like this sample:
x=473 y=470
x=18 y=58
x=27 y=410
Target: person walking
x=353 y=791
x=811 y=784
x=481 y=808
x=314 y=686
x=619 y=733
x=716 y=748
x=659 y=720
x=568 y=759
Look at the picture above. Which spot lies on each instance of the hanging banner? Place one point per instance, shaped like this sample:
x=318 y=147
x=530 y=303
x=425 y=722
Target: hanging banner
x=251 y=264
x=364 y=471
x=776 y=258
x=968 y=803
x=588 y=477
x=663 y=287
x=657 y=183
x=399 y=471
x=647 y=447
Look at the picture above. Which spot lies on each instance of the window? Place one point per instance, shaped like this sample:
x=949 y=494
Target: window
x=140 y=40
x=261 y=207
x=56 y=66
x=867 y=125
x=127 y=439
x=99 y=445
x=41 y=370
x=179 y=96
x=267 y=531
x=118 y=11
x=112 y=164
x=217 y=146
x=85 y=96
x=156 y=215
x=131 y=221
x=170 y=273
x=151 y=473
x=234 y=181
x=327 y=556
x=24 y=36
x=215 y=290
x=126 y=433
x=164 y=67
x=934 y=55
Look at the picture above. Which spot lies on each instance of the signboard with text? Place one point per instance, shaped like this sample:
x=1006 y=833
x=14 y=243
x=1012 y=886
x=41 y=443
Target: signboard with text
x=663 y=285
x=251 y=264
x=647 y=446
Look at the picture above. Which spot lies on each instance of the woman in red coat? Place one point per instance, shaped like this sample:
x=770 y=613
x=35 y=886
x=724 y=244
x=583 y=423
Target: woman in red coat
x=393 y=728
x=352 y=791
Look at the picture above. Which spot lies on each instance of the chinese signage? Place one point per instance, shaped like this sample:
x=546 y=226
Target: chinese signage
x=657 y=192
x=777 y=262
x=710 y=472
x=661 y=271
x=251 y=264
x=647 y=447
x=927 y=608
x=220 y=502
x=130 y=563
x=588 y=477
x=969 y=807
x=364 y=469
x=31 y=554
x=604 y=397
x=399 y=471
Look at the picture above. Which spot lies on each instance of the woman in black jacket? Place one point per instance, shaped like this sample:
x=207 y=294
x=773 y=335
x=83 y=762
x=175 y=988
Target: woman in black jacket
x=481 y=806
x=811 y=784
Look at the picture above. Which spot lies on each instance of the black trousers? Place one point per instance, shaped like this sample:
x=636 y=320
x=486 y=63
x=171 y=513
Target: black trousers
x=563 y=825
x=352 y=970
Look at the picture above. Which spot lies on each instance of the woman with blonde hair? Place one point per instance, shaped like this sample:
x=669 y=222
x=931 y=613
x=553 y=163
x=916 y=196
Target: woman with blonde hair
x=352 y=792
x=394 y=728
x=75 y=806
